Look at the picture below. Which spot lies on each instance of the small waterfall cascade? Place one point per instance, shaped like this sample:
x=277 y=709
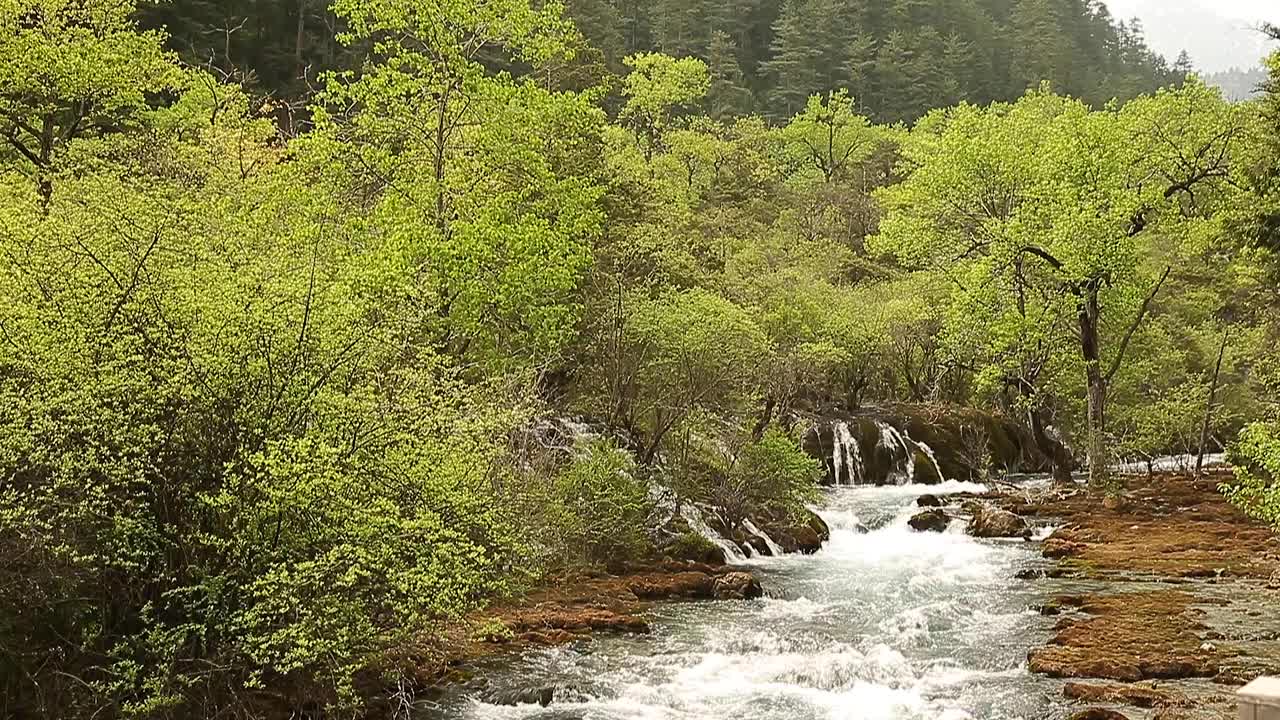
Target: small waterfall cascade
x=928 y=452
x=774 y=548
x=847 y=467
x=693 y=516
x=891 y=436
x=873 y=450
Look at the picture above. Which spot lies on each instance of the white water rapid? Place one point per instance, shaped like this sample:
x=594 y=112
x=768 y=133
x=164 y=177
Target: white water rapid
x=693 y=516
x=891 y=437
x=885 y=624
x=774 y=548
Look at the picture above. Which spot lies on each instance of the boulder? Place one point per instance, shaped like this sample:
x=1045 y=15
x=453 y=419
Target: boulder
x=689 y=584
x=758 y=544
x=807 y=540
x=992 y=522
x=736 y=586
x=930 y=521
x=929 y=501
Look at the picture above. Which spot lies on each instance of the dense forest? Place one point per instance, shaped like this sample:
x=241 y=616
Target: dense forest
x=897 y=59
x=286 y=292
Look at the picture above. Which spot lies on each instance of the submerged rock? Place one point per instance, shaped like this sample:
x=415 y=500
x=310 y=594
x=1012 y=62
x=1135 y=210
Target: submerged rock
x=1097 y=714
x=522 y=696
x=736 y=586
x=929 y=501
x=930 y=521
x=992 y=522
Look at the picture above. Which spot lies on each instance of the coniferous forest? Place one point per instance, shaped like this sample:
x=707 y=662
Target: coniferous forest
x=326 y=330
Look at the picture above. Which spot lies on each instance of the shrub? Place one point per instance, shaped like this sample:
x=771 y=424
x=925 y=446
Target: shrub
x=1256 y=487
x=690 y=545
x=771 y=475
x=598 y=508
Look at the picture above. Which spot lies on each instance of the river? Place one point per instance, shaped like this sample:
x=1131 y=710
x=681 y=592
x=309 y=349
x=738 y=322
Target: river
x=884 y=623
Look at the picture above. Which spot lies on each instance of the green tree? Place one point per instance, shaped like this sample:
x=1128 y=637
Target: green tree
x=727 y=95
x=831 y=137
x=485 y=178
x=694 y=353
x=74 y=69
x=657 y=90
x=1049 y=182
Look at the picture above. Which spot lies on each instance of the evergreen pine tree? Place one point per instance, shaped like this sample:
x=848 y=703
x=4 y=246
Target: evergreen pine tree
x=728 y=95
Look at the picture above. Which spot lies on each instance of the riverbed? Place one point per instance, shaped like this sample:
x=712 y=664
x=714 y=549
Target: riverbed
x=883 y=622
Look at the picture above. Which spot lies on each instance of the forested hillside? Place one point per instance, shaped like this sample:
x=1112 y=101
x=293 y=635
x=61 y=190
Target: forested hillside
x=898 y=59
x=1237 y=84
x=296 y=303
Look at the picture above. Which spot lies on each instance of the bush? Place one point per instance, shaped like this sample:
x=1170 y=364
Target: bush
x=596 y=509
x=689 y=545
x=1256 y=487
x=770 y=476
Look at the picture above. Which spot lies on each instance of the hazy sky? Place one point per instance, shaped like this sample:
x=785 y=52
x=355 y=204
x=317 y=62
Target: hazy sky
x=1217 y=33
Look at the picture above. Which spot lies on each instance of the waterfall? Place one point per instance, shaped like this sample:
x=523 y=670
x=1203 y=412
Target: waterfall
x=774 y=548
x=889 y=436
x=846 y=456
x=928 y=451
x=693 y=516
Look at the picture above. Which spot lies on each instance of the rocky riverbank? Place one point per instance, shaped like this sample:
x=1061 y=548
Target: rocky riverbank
x=573 y=606
x=1173 y=596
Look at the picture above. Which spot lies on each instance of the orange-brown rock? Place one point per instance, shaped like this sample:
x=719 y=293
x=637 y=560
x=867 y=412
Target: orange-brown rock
x=1170 y=525
x=572 y=607
x=1143 y=696
x=694 y=584
x=1128 y=637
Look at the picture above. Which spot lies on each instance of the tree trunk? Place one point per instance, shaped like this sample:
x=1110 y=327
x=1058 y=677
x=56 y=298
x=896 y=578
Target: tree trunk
x=300 y=39
x=1096 y=385
x=766 y=417
x=1208 y=408
x=1061 y=461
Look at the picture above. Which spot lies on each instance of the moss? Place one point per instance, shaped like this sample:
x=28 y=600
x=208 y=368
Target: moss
x=689 y=545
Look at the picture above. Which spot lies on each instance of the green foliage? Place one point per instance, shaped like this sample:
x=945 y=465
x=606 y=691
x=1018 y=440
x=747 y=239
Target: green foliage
x=1256 y=488
x=73 y=69
x=598 y=508
x=1042 y=195
x=830 y=136
x=261 y=392
x=691 y=545
x=657 y=90
x=694 y=352
x=771 y=475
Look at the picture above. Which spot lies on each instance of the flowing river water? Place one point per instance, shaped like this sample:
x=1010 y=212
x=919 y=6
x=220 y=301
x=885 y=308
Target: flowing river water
x=883 y=622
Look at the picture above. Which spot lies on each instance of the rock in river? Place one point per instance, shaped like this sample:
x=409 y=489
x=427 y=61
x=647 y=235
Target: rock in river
x=1097 y=714
x=523 y=696
x=737 y=586
x=929 y=501
x=930 y=521
x=992 y=522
